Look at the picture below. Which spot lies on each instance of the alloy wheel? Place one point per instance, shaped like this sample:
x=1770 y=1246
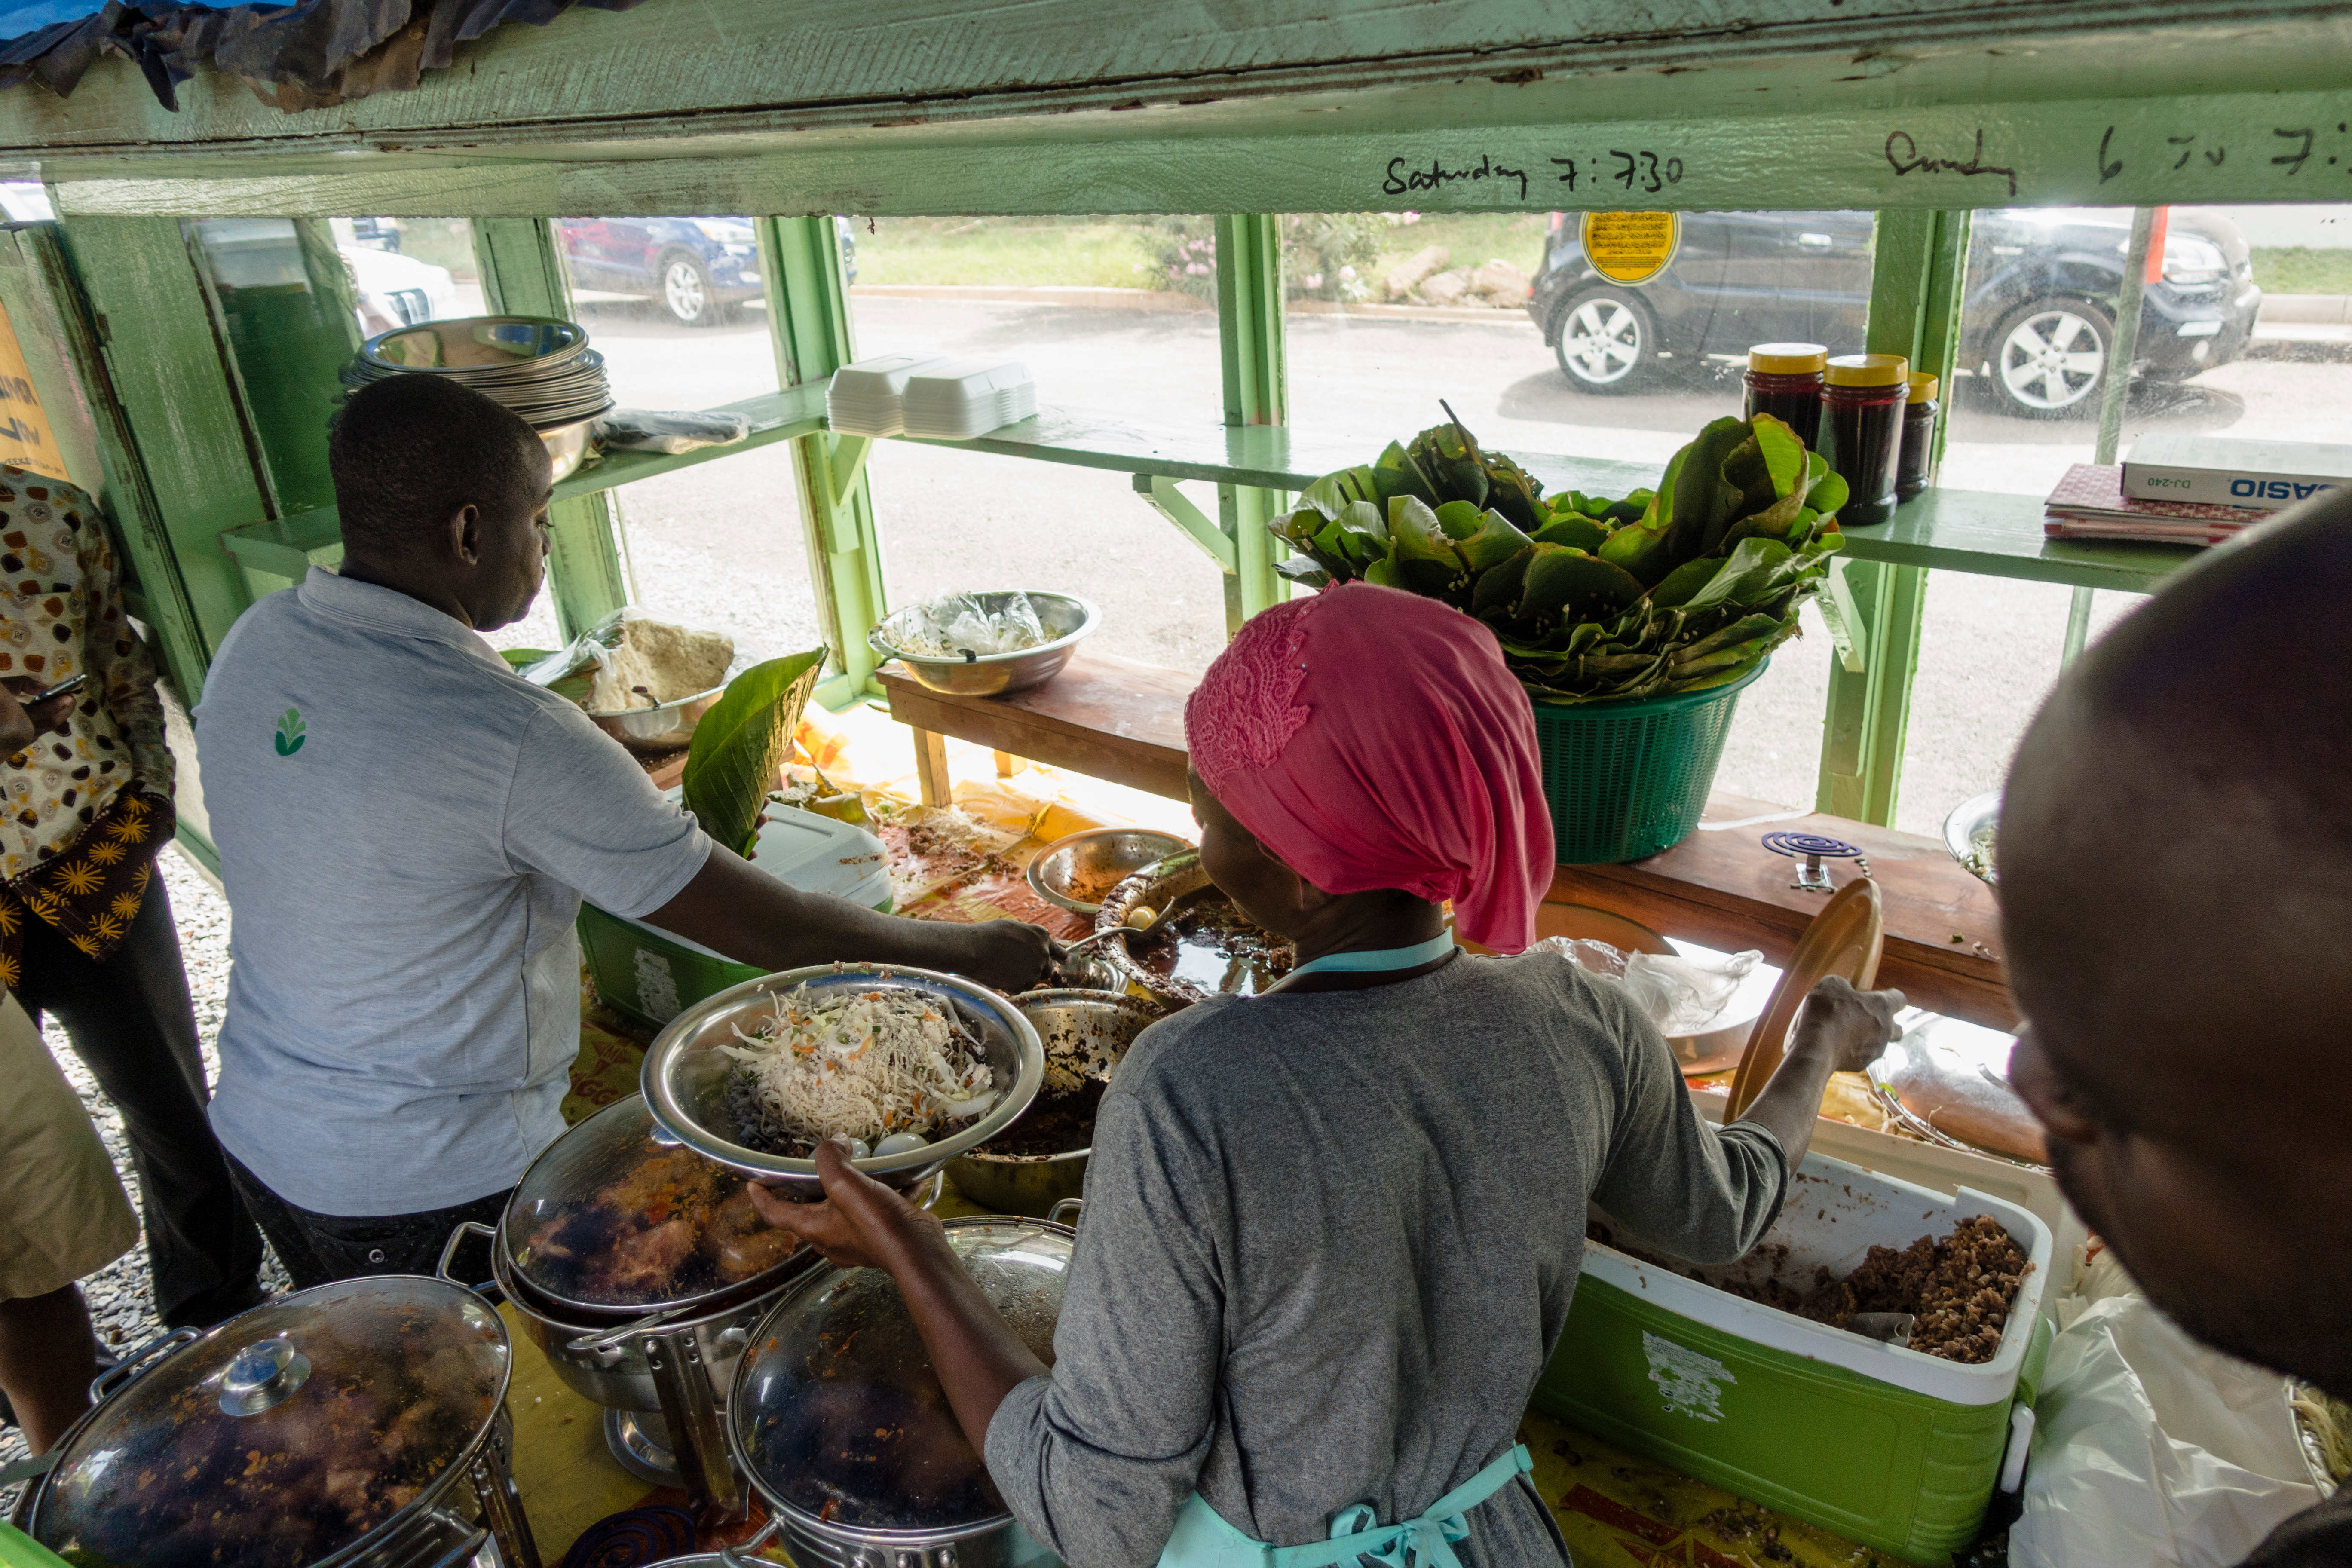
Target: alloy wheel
x=1600 y=342
x=2051 y=359
x=682 y=290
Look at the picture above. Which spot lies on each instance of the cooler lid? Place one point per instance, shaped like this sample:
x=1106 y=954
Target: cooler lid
x=836 y=1410
x=286 y=1434
x=610 y=1218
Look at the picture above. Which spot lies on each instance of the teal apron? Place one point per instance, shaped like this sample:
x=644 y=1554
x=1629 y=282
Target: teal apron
x=1203 y=1539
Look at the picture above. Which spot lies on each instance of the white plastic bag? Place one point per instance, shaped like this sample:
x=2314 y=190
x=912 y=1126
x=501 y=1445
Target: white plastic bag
x=959 y=623
x=1680 y=995
x=645 y=430
x=2149 y=1449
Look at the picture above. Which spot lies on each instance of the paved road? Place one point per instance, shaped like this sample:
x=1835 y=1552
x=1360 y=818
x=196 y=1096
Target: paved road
x=720 y=544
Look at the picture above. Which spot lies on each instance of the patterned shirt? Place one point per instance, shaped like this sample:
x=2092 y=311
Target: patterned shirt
x=82 y=810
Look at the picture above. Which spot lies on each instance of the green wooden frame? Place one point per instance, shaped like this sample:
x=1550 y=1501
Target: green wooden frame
x=1338 y=105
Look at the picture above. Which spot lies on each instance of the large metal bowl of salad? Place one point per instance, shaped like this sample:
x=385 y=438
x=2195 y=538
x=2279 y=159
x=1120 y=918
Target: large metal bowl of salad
x=912 y=1066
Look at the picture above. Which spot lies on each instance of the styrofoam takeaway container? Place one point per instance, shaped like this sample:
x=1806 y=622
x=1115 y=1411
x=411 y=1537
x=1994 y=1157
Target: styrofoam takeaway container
x=1886 y=1446
x=653 y=974
x=966 y=397
x=868 y=398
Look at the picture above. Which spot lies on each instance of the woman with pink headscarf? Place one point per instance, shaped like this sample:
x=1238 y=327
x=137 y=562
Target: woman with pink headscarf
x=1331 y=1230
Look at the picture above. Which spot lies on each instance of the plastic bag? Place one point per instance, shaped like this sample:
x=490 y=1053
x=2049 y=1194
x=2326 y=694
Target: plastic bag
x=643 y=430
x=956 y=624
x=2149 y=1449
x=1680 y=995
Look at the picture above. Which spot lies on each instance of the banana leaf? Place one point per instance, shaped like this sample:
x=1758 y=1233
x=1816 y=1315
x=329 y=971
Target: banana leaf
x=1574 y=530
x=1565 y=586
x=740 y=746
x=1494 y=541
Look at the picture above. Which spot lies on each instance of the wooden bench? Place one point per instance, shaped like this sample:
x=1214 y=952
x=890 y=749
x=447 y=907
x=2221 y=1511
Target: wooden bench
x=1113 y=719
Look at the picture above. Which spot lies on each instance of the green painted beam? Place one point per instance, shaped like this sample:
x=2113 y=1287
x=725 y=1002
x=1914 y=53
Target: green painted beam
x=522 y=273
x=1811 y=151
x=810 y=328
x=1255 y=367
x=202 y=464
x=750 y=67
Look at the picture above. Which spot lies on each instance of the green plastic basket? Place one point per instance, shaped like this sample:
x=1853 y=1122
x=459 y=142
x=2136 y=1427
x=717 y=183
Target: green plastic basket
x=1628 y=779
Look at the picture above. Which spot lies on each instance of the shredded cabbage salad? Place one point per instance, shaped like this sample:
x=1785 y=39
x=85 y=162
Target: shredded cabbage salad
x=864 y=1065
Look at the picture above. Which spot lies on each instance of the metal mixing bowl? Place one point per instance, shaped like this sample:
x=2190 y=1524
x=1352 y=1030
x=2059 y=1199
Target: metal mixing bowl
x=1967 y=820
x=1091 y=1031
x=566 y=445
x=669 y=725
x=685 y=1075
x=1068 y=620
x=1116 y=853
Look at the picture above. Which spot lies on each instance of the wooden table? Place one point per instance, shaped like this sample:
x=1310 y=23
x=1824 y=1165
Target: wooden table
x=1106 y=716
x=1114 y=718
x=1725 y=889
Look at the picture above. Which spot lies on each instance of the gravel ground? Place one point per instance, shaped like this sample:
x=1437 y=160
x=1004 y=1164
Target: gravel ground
x=121 y=1296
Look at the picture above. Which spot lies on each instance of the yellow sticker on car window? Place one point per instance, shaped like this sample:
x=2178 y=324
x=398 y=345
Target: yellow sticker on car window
x=1632 y=248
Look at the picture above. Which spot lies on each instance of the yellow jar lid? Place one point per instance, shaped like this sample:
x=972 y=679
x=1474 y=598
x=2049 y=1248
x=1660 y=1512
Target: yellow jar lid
x=1923 y=387
x=1869 y=370
x=1787 y=359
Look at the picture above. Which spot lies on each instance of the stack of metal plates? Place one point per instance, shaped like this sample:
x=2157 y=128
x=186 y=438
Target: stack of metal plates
x=541 y=367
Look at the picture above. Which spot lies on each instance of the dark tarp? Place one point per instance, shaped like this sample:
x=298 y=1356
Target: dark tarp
x=307 y=55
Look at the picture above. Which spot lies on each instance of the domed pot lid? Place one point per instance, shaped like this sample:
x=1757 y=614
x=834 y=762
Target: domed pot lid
x=837 y=1416
x=614 y=1219
x=285 y=1435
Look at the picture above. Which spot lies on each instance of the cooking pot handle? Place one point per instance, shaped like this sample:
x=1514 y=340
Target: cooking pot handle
x=129 y=1367
x=1054 y=1215
x=938 y=1185
x=590 y=1344
x=457 y=1239
x=738 y=1556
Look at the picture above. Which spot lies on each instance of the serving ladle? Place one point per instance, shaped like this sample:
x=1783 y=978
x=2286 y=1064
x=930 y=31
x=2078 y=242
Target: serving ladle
x=1141 y=921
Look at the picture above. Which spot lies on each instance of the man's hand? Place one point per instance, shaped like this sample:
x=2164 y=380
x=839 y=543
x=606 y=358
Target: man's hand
x=1010 y=955
x=39 y=719
x=861 y=1224
x=1855 y=1027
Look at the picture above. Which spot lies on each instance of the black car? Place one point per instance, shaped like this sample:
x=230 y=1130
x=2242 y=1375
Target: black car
x=2039 y=317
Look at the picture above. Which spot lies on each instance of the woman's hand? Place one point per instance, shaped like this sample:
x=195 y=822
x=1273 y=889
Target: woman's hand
x=1855 y=1027
x=1011 y=955
x=861 y=1224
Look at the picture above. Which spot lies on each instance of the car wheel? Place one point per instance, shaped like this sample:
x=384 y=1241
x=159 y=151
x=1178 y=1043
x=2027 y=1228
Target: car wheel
x=686 y=291
x=1606 y=341
x=2050 y=358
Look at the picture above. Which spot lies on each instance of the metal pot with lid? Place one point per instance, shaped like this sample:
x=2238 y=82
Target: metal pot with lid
x=637 y=1267
x=355 y=1425
x=840 y=1422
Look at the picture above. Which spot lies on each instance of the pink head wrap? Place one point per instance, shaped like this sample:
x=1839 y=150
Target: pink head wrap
x=1370 y=738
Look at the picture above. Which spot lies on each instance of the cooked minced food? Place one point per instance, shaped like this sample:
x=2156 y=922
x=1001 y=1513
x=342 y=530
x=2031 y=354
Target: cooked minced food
x=655 y=662
x=860 y=1065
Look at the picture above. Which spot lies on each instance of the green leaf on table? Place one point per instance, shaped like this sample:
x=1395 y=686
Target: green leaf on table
x=740 y=745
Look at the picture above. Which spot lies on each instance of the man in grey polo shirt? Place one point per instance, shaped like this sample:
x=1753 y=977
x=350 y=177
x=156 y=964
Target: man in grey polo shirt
x=406 y=830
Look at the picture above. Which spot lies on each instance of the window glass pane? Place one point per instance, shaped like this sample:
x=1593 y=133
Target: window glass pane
x=1089 y=305
x=2243 y=334
x=678 y=309
x=297 y=296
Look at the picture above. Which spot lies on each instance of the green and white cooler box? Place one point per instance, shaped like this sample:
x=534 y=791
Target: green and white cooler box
x=1885 y=1446
x=654 y=975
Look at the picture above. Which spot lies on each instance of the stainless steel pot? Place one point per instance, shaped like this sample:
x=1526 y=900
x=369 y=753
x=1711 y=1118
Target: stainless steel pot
x=1100 y=856
x=838 y=1420
x=1085 y=1034
x=242 y=1442
x=1067 y=619
x=1156 y=887
x=668 y=1365
x=685 y=1077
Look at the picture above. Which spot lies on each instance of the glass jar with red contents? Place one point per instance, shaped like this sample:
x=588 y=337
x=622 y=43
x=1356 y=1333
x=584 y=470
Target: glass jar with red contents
x=1861 y=431
x=1918 y=436
x=1784 y=380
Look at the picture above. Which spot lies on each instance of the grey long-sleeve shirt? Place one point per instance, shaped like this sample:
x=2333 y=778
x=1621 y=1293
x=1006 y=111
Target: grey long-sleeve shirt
x=1329 y=1241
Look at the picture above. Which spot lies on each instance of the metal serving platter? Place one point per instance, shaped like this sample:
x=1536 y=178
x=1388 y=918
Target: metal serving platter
x=685 y=1077
x=1967 y=820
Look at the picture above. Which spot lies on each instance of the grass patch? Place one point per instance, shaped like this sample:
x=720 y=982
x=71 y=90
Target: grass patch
x=440 y=242
x=2299 y=270
x=1471 y=240
x=1074 y=252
